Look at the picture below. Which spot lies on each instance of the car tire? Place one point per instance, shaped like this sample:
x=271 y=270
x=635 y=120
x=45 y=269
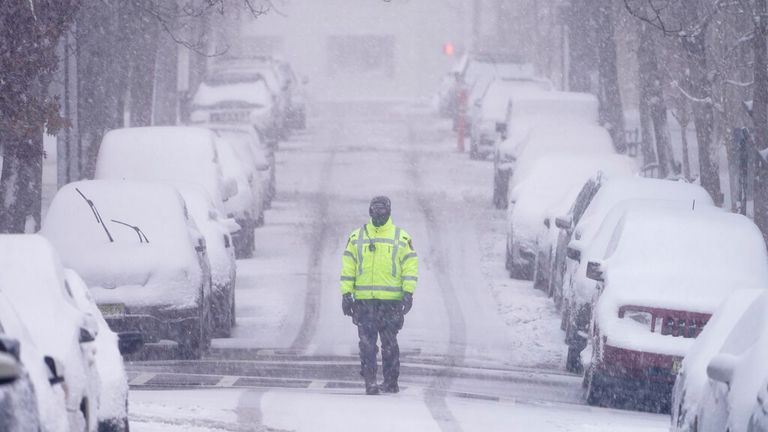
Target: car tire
x=595 y=391
x=232 y=318
x=573 y=360
x=538 y=276
x=508 y=256
x=517 y=271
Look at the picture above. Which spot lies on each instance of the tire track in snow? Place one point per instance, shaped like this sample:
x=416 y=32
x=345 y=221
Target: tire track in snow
x=437 y=390
x=318 y=240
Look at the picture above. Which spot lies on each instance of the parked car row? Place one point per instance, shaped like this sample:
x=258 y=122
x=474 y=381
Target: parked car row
x=656 y=286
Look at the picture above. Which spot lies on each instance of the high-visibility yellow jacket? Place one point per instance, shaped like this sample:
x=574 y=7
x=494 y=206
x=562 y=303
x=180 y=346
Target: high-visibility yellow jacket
x=385 y=273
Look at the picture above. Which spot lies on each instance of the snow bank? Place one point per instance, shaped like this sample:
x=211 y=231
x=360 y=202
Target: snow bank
x=172 y=153
x=164 y=271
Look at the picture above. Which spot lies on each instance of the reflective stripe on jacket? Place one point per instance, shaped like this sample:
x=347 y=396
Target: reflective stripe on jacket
x=384 y=273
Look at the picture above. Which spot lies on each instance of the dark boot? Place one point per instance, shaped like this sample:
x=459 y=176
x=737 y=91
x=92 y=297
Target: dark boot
x=371 y=388
x=389 y=387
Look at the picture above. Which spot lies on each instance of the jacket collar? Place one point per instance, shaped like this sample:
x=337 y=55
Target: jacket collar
x=388 y=226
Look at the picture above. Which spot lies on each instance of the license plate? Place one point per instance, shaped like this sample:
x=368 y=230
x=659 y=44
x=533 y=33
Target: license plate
x=112 y=309
x=229 y=116
x=676 y=366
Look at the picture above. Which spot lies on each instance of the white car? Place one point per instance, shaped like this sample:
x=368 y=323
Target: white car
x=661 y=278
x=221 y=255
x=33 y=280
x=142 y=257
x=250 y=147
x=549 y=181
x=525 y=111
x=239 y=97
x=246 y=206
x=112 y=410
x=24 y=407
x=488 y=113
x=693 y=405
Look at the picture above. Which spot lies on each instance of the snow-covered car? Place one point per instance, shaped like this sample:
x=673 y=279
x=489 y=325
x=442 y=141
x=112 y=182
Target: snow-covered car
x=550 y=110
x=250 y=147
x=577 y=232
x=590 y=238
x=18 y=405
x=663 y=275
x=47 y=409
x=555 y=237
x=488 y=113
x=142 y=257
x=165 y=154
x=112 y=409
x=33 y=281
x=238 y=99
x=246 y=206
x=221 y=255
x=549 y=181
x=698 y=404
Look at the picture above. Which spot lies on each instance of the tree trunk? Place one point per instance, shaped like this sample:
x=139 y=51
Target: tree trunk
x=760 y=114
x=582 y=56
x=646 y=130
x=142 y=79
x=700 y=88
x=684 y=139
x=611 y=109
x=650 y=86
x=21 y=183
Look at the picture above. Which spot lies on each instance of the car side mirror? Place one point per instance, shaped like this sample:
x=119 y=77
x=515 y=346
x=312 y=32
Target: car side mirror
x=56 y=367
x=231 y=225
x=501 y=129
x=86 y=335
x=595 y=271
x=573 y=254
x=10 y=346
x=546 y=222
x=564 y=222
x=229 y=189
x=10 y=369
x=721 y=368
x=130 y=342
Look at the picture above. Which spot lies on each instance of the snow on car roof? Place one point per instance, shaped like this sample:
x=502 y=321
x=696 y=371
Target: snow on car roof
x=683 y=259
x=617 y=190
x=251 y=93
x=559 y=137
x=548 y=104
x=499 y=92
x=165 y=265
x=550 y=180
x=165 y=153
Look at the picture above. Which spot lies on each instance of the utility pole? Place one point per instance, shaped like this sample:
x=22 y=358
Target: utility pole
x=477 y=10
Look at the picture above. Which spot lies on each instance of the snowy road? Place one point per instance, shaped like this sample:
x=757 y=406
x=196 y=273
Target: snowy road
x=479 y=351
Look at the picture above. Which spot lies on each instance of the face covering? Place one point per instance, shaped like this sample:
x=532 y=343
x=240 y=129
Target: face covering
x=380 y=210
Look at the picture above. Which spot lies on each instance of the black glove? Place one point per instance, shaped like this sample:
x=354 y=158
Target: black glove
x=407 y=302
x=346 y=304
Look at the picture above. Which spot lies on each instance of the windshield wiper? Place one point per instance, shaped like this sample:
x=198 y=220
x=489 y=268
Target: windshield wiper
x=96 y=214
x=142 y=237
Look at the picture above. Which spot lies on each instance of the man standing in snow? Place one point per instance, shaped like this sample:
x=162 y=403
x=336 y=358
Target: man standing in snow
x=378 y=277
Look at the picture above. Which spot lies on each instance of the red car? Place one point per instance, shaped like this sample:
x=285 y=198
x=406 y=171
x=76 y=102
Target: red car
x=664 y=273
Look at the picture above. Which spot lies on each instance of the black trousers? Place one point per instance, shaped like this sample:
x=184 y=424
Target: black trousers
x=376 y=318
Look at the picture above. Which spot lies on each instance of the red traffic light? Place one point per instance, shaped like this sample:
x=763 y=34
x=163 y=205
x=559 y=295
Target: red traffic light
x=448 y=49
